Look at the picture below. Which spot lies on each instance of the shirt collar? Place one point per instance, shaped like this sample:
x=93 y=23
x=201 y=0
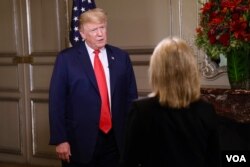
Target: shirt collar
x=90 y=50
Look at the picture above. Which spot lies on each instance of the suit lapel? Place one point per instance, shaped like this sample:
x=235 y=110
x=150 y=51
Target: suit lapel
x=88 y=68
x=111 y=61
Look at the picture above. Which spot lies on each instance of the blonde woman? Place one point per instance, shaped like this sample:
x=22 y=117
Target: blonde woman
x=174 y=127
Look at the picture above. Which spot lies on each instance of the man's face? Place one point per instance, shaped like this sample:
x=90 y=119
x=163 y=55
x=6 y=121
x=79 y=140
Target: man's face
x=95 y=34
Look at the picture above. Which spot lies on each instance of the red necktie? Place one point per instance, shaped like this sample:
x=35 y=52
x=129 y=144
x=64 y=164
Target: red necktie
x=105 y=118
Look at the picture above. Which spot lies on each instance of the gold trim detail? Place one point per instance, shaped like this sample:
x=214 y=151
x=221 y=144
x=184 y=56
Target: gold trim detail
x=23 y=59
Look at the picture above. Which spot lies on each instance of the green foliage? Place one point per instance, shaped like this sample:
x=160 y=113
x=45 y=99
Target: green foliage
x=238 y=67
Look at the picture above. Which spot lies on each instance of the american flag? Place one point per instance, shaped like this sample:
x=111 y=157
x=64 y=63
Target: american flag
x=78 y=7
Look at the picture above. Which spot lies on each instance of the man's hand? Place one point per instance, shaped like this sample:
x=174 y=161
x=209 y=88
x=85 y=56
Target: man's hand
x=63 y=151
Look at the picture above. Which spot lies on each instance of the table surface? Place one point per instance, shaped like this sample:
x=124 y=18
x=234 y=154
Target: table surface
x=229 y=103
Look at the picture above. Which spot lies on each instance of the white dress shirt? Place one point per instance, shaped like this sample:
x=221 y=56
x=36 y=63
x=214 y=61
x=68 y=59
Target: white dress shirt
x=104 y=60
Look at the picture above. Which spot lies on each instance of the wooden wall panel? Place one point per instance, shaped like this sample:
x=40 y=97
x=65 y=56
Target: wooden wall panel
x=32 y=30
x=10 y=140
x=7 y=26
x=40 y=75
x=141 y=73
x=137 y=24
x=44 y=26
x=10 y=82
x=40 y=126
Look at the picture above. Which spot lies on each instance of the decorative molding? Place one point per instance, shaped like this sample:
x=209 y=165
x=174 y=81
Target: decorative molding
x=210 y=70
x=10 y=151
x=6 y=59
x=143 y=51
x=140 y=63
x=22 y=60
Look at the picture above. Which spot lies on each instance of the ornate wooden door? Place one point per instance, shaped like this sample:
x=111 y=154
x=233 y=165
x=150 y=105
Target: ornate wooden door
x=32 y=32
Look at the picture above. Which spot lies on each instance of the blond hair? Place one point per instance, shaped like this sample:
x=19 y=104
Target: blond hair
x=95 y=15
x=173 y=73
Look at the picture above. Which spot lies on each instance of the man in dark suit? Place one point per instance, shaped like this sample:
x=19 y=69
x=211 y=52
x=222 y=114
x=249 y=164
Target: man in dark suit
x=76 y=98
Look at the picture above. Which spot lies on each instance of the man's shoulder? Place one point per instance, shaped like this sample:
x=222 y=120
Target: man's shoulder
x=114 y=48
x=67 y=50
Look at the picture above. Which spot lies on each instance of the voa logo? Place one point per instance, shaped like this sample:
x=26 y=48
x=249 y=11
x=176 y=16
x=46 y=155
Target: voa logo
x=236 y=158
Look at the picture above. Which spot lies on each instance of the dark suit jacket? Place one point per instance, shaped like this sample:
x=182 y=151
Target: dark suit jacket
x=74 y=100
x=160 y=136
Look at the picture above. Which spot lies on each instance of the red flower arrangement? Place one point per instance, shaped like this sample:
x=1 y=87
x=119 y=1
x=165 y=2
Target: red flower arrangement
x=224 y=25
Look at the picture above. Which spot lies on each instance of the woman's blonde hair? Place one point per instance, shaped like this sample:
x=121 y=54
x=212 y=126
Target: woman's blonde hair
x=95 y=15
x=173 y=73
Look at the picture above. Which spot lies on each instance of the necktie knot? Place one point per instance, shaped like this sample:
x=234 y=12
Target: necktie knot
x=96 y=52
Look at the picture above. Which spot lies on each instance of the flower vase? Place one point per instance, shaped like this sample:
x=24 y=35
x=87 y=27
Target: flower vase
x=238 y=68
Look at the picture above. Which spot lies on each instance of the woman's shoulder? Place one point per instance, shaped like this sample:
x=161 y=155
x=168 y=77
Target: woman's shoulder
x=204 y=110
x=201 y=104
x=147 y=100
x=201 y=101
x=144 y=104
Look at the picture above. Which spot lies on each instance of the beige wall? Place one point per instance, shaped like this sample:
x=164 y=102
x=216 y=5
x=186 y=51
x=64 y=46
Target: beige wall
x=141 y=24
